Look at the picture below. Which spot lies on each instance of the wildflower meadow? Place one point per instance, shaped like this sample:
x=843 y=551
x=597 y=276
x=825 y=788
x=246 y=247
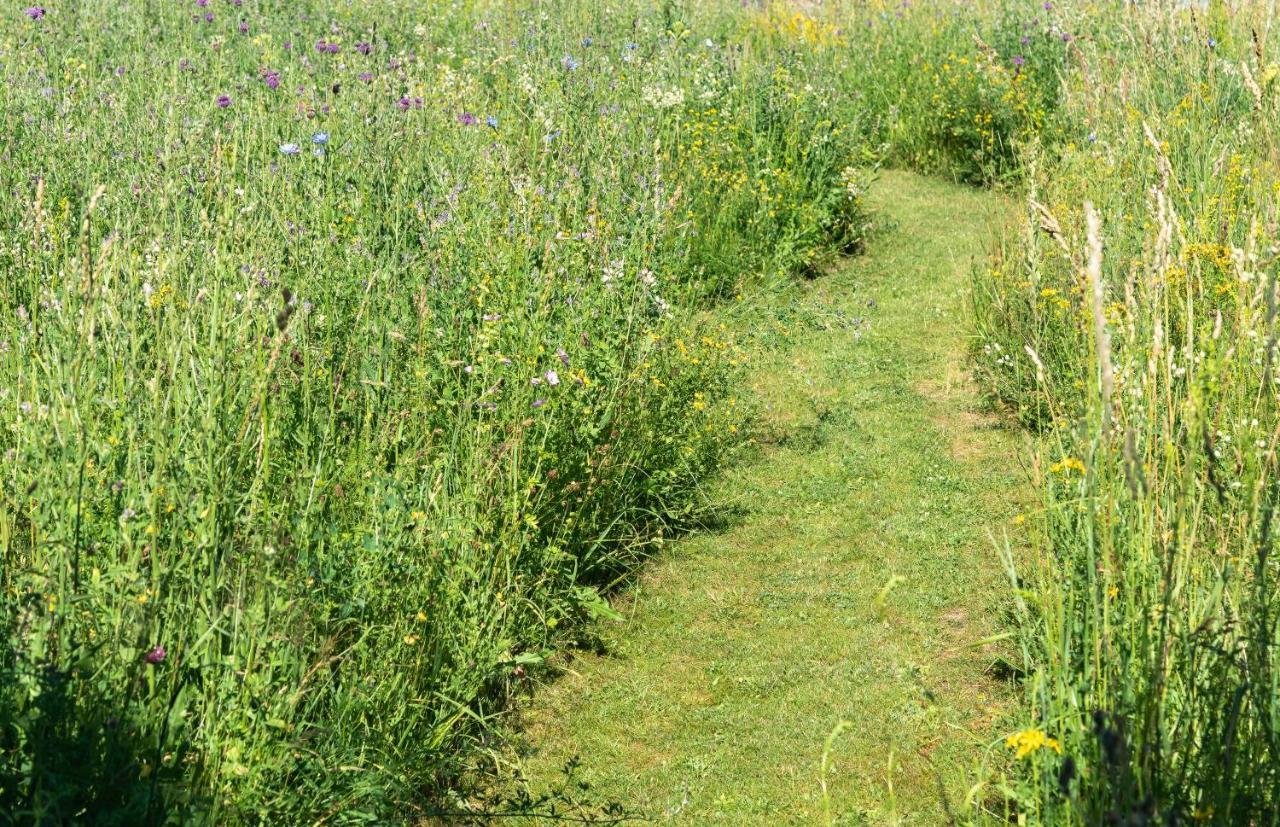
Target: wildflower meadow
x=354 y=355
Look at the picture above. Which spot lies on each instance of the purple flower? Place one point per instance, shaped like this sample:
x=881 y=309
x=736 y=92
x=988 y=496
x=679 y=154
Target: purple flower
x=224 y=101
x=1048 y=6
x=1025 y=40
x=202 y=3
x=322 y=46
x=467 y=119
x=569 y=63
x=156 y=655
x=538 y=403
x=244 y=27
x=1066 y=38
x=271 y=79
x=1019 y=60
x=553 y=378
x=34 y=12
x=333 y=48
x=363 y=48
x=366 y=76
x=564 y=357
x=208 y=17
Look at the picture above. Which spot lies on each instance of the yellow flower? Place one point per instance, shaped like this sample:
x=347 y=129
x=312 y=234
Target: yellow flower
x=1030 y=740
x=1067 y=464
x=409 y=640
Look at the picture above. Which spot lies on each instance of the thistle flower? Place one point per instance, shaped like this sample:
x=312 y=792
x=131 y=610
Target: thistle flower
x=34 y=12
x=224 y=101
x=467 y=119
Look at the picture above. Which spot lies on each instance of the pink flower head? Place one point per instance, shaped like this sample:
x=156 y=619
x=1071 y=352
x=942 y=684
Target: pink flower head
x=156 y=655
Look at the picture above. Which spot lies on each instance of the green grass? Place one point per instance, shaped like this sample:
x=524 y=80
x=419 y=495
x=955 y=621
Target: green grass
x=853 y=586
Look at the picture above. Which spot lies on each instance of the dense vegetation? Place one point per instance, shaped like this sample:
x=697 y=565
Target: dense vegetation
x=348 y=350
x=1134 y=324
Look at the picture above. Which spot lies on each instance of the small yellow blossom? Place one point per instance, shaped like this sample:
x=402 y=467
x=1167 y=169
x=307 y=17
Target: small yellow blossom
x=1030 y=740
x=1067 y=464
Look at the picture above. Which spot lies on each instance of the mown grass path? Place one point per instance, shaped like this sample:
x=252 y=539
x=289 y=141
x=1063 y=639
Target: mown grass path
x=856 y=583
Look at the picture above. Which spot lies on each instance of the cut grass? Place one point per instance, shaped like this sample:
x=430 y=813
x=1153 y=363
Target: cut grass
x=855 y=587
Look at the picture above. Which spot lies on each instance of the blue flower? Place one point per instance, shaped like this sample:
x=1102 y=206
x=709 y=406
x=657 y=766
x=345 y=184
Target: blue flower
x=492 y=121
x=320 y=138
x=289 y=149
x=568 y=62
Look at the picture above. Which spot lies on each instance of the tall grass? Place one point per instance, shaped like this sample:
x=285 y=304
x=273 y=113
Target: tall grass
x=347 y=350
x=1134 y=324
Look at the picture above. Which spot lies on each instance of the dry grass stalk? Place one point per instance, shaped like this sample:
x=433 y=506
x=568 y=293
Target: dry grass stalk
x=1093 y=271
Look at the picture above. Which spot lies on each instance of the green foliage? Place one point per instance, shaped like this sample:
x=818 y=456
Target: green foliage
x=1148 y=610
x=335 y=378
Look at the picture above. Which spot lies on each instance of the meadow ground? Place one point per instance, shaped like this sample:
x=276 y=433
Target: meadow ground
x=858 y=583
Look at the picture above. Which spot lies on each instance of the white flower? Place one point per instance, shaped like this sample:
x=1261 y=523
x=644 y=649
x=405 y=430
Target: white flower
x=660 y=98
